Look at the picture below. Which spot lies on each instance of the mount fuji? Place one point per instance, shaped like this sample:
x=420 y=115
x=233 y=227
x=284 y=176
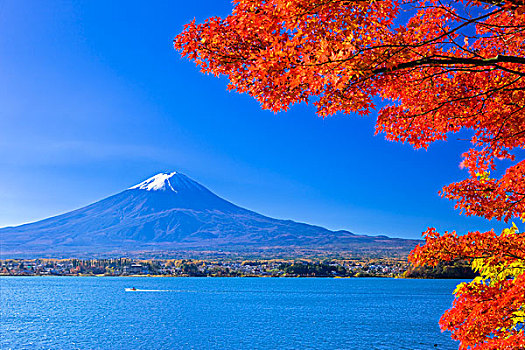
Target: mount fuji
x=171 y=212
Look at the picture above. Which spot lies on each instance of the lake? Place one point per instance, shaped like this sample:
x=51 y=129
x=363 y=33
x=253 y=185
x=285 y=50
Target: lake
x=223 y=313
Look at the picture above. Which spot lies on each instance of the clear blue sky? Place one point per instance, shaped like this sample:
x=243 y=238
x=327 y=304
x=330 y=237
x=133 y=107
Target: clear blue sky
x=94 y=99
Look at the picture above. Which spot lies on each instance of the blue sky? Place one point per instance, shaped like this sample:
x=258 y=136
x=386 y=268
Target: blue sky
x=95 y=99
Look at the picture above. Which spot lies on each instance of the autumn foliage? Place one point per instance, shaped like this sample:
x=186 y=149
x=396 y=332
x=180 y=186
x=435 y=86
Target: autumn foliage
x=439 y=68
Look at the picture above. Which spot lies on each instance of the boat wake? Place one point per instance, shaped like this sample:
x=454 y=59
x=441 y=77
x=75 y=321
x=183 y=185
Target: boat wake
x=148 y=290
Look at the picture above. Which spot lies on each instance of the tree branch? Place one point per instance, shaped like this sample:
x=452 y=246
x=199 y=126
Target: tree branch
x=453 y=61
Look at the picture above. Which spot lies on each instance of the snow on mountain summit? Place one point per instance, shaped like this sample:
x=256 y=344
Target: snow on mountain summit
x=173 y=182
x=159 y=182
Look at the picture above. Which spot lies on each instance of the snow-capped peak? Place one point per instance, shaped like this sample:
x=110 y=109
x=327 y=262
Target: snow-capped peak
x=159 y=182
x=170 y=182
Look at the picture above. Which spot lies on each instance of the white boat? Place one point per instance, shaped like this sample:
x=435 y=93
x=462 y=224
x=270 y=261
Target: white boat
x=131 y=289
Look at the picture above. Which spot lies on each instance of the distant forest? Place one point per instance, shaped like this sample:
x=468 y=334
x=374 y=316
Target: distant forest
x=458 y=269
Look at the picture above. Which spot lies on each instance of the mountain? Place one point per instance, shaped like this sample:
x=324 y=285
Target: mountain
x=171 y=212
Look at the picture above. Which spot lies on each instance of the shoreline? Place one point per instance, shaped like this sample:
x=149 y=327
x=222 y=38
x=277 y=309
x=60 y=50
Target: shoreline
x=282 y=277
x=178 y=276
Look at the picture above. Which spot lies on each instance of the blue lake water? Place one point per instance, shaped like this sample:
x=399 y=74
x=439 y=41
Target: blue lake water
x=223 y=313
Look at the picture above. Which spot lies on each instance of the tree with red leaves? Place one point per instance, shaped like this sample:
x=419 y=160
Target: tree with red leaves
x=440 y=68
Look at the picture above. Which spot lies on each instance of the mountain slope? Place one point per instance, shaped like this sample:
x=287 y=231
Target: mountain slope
x=173 y=212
